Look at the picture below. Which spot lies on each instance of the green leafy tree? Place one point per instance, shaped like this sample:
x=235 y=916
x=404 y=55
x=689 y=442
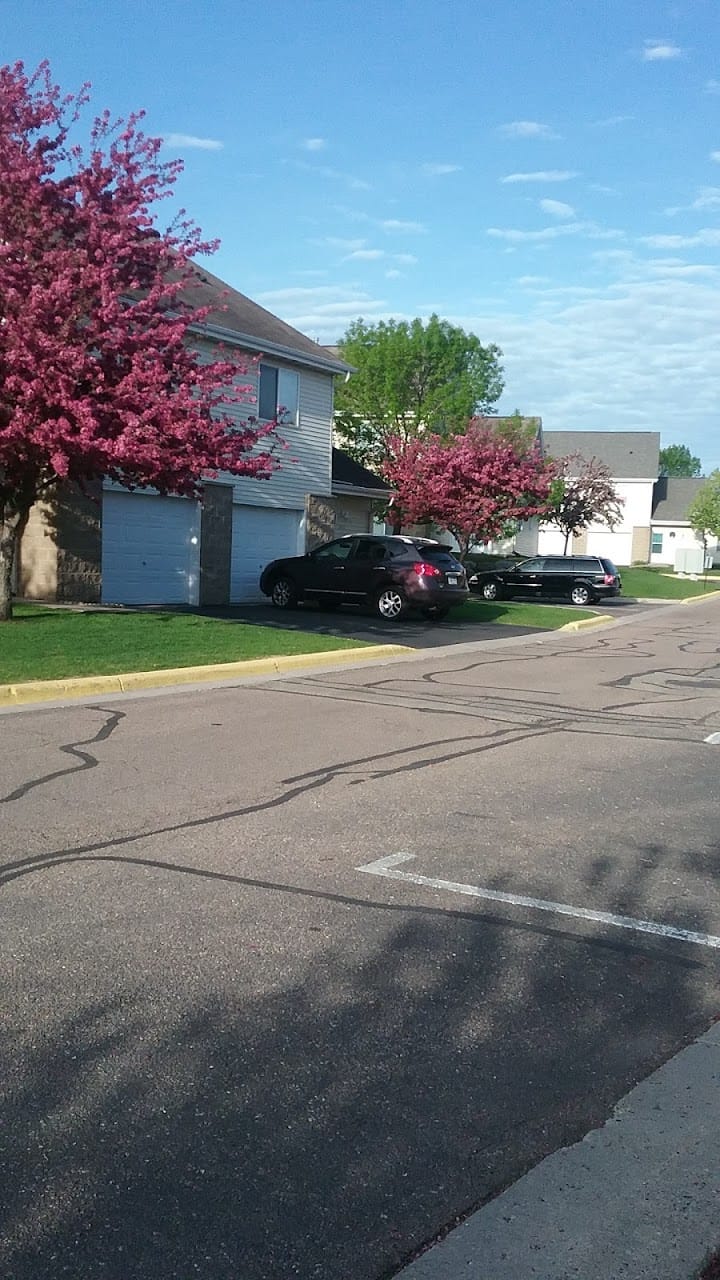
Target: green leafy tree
x=412 y=377
x=704 y=510
x=677 y=460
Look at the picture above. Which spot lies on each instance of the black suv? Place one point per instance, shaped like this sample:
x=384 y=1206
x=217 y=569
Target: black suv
x=585 y=579
x=392 y=574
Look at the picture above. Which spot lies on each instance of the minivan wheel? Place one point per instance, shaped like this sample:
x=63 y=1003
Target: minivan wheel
x=490 y=590
x=283 y=594
x=580 y=594
x=390 y=603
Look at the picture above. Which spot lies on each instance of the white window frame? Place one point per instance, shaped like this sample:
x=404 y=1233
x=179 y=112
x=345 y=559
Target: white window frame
x=285 y=394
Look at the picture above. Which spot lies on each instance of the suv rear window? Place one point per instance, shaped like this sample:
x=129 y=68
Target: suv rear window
x=442 y=556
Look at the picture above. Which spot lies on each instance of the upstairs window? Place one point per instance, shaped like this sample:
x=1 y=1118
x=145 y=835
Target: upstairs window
x=278 y=395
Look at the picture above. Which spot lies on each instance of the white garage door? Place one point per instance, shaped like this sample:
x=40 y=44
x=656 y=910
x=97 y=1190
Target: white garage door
x=150 y=549
x=259 y=535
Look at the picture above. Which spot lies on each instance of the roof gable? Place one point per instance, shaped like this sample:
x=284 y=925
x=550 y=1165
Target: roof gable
x=253 y=327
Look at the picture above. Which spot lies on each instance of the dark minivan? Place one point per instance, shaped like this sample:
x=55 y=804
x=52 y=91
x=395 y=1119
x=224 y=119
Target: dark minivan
x=584 y=579
x=391 y=573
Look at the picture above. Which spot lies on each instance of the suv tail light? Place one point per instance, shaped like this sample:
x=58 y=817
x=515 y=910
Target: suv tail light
x=609 y=579
x=424 y=570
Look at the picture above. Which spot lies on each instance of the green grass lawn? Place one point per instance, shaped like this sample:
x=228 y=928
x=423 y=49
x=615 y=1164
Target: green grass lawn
x=656 y=585
x=50 y=644
x=520 y=614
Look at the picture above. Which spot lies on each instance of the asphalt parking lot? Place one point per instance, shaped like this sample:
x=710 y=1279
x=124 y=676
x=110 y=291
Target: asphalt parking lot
x=413 y=630
x=231 y=1045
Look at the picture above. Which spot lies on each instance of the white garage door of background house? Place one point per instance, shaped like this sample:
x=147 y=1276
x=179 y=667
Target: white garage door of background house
x=150 y=549
x=259 y=535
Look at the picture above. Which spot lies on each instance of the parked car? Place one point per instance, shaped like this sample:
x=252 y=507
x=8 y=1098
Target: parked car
x=391 y=574
x=584 y=579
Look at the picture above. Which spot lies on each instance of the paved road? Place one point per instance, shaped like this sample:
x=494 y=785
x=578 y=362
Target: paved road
x=227 y=1052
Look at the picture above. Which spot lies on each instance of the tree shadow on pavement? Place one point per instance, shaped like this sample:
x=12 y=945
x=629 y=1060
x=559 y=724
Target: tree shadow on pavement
x=320 y=1117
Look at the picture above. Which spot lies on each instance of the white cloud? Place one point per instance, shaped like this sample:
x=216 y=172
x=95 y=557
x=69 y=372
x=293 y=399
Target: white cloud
x=439 y=170
x=541 y=175
x=707 y=237
x=712 y=86
x=528 y=129
x=397 y=224
x=326 y=311
x=557 y=209
x=189 y=140
x=530 y=282
x=660 y=51
x=707 y=198
x=406 y=259
x=715 y=155
x=335 y=175
x=393 y=274
x=589 y=229
x=314 y=144
x=576 y=362
x=365 y=255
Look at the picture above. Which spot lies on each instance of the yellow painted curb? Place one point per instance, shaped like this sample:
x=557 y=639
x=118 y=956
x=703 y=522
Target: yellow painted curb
x=584 y=624
x=126 y=682
x=706 y=595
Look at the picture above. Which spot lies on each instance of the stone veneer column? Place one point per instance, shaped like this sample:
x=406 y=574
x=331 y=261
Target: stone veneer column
x=215 y=545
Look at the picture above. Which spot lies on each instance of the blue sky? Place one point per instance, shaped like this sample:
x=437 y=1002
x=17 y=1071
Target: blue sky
x=546 y=175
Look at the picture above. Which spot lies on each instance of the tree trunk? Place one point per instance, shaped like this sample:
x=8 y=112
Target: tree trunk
x=11 y=528
x=567 y=539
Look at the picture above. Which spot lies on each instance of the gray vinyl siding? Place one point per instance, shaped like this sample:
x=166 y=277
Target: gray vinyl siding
x=305 y=466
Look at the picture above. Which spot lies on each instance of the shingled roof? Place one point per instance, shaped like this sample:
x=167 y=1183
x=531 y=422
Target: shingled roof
x=672 y=496
x=233 y=315
x=630 y=455
x=348 y=475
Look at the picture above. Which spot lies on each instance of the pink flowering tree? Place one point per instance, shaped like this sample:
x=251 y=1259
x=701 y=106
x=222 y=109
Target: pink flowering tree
x=475 y=485
x=98 y=371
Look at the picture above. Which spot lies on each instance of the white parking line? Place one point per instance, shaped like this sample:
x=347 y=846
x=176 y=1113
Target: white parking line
x=387 y=867
x=714 y=739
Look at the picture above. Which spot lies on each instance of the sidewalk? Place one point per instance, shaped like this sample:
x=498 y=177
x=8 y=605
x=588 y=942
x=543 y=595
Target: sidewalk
x=638 y=1199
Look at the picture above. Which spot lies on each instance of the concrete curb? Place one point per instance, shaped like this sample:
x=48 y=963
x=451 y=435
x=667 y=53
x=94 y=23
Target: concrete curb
x=633 y=1200
x=584 y=624
x=126 y=682
x=707 y=595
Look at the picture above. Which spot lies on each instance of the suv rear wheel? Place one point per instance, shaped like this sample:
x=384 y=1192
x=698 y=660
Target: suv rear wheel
x=581 y=594
x=390 y=603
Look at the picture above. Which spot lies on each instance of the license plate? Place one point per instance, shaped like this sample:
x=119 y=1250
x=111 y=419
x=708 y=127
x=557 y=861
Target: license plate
x=452 y=579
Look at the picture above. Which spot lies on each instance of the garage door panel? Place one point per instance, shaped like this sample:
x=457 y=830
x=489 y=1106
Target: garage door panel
x=260 y=534
x=150 y=549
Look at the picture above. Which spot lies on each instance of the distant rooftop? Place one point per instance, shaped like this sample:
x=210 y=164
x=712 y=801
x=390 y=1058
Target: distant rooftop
x=630 y=455
x=672 y=496
x=257 y=329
